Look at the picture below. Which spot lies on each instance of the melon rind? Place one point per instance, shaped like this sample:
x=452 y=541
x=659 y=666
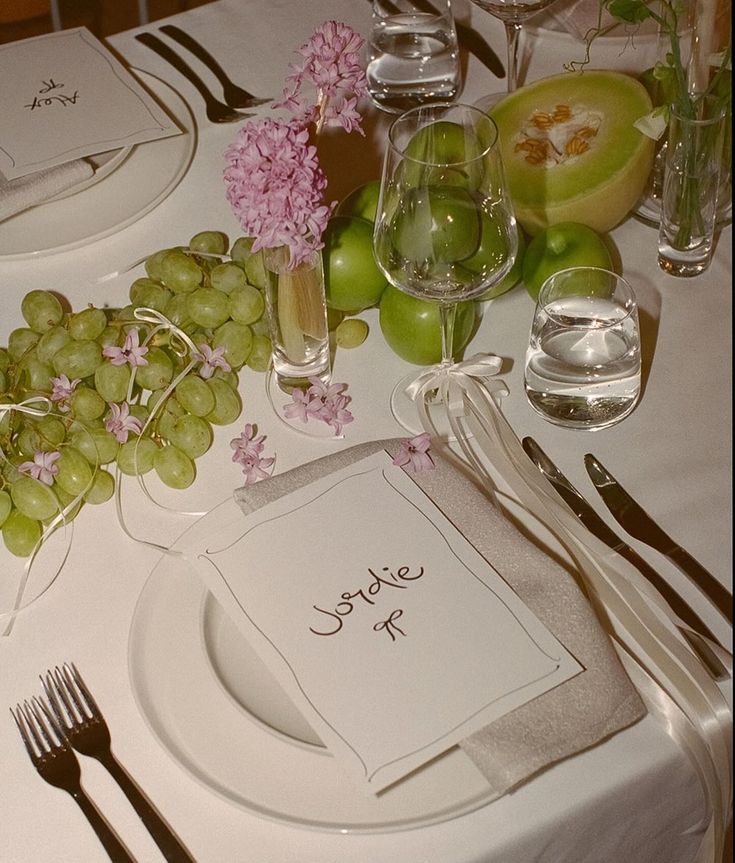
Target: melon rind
x=597 y=188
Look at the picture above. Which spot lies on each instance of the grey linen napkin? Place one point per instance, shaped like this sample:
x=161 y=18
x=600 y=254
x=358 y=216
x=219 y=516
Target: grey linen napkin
x=572 y=717
x=24 y=192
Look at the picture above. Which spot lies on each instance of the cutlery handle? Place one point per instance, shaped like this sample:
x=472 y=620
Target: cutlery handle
x=155 y=44
x=196 y=49
x=704 y=579
x=162 y=834
x=116 y=851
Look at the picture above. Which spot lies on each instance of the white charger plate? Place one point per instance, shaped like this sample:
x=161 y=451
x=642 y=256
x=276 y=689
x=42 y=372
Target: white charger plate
x=130 y=184
x=213 y=705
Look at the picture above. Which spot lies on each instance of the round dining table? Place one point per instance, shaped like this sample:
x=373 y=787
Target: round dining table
x=635 y=797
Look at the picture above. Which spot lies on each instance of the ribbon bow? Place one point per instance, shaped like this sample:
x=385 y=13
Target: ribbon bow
x=455 y=379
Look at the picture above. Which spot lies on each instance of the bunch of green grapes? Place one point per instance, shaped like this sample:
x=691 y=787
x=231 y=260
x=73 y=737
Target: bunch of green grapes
x=214 y=298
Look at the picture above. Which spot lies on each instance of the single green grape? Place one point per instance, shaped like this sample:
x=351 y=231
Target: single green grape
x=75 y=472
x=236 y=340
x=51 y=432
x=98 y=446
x=102 y=488
x=246 y=304
x=90 y=323
x=4 y=359
x=51 y=342
x=253 y=263
x=260 y=354
x=135 y=456
x=211 y=242
x=86 y=403
x=109 y=336
x=20 y=533
x=3 y=382
x=34 y=498
x=21 y=341
x=195 y=396
x=158 y=372
x=230 y=378
x=151 y=295
x=174 y=468
x=6 y=504
x=180 y=272
x=192 y=435
x=227 y=276
x=153 y=264
x=176 y=312
x=351 y=333
x=227 y=404
x=207 y=307
x=36 y=374
x=112 y=382
x=78 y=358
x=41 y=310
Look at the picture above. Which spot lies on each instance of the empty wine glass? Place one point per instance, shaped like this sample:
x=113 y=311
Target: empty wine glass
x=513 y=13
x=445 y=229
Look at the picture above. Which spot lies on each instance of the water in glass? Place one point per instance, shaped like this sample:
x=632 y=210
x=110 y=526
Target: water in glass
x=583 y=366
x=413 y=58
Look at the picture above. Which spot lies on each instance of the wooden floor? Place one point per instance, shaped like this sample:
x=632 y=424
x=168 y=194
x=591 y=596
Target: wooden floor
x=102 y=17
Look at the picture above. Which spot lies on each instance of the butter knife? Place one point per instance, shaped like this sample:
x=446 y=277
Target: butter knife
x=595 y=524
x=636 y=521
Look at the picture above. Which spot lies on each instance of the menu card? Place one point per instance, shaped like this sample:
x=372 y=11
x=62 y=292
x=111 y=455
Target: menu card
x=394 y=637
x=64 y=96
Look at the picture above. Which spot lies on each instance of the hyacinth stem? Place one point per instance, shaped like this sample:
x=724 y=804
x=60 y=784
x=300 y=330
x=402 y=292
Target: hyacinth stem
x=300 y=297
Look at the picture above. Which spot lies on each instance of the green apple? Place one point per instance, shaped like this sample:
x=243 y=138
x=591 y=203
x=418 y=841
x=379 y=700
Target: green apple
x=510 y=279
x=567 y=244
x=437 y=223
x=352 y=279
x=412 y=330
x=361 y=202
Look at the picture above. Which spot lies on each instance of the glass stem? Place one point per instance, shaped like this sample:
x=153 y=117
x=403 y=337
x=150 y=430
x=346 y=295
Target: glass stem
x=447 y=316
x=512 y=32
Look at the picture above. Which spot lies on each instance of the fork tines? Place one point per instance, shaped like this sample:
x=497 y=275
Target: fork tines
x=65 y=686
x=37 y=727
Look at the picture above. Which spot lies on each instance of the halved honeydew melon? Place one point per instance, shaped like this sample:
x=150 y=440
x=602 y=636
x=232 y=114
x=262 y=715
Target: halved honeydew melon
x=570 y=150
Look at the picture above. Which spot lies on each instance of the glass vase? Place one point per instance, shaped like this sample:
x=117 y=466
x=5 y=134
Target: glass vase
x=691 y=185
x=297 y=318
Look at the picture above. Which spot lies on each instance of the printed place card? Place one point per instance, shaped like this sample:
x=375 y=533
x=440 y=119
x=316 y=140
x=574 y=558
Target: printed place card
x=394 y=637
x=65 y=96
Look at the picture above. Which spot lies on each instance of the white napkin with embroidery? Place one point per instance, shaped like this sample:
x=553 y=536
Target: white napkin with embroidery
x=24 y=192
x=575 y=715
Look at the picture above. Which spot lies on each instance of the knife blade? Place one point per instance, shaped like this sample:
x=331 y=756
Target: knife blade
x=636 y=521
x=597 y=526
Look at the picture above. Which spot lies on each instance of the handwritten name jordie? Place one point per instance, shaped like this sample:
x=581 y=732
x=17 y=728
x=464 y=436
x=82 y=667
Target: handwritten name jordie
x=331 y=622
x=57 y=98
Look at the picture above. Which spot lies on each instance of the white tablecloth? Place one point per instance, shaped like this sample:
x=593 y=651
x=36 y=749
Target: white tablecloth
x=635 y=798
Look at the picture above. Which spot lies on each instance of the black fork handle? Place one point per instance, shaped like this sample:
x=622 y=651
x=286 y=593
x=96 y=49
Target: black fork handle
x=199 y=51
x=155 y=44
x=162 y=834
x=116 y=851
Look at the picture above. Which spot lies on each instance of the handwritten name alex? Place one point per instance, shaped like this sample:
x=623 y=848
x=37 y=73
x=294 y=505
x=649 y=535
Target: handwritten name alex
x=330 y=621
x=46 y=97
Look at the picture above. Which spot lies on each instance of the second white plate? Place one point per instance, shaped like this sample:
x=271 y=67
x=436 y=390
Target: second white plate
x=213 y=705
x=135 y=183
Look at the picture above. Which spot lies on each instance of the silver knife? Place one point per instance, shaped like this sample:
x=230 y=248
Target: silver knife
x=636 y=521
x=595 y=524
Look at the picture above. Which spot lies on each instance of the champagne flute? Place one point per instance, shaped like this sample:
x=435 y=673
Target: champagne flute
x=513 y=13
x=445 y=229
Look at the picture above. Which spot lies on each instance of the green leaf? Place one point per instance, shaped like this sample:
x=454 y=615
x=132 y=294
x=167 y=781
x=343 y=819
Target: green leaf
x=629 y=11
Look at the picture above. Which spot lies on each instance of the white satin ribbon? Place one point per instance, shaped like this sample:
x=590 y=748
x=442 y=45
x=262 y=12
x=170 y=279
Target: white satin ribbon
x=182 y=345
x=675 y=686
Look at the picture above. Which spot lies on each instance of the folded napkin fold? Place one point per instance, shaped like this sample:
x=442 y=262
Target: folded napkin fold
x=572 y=717
x=25 y=192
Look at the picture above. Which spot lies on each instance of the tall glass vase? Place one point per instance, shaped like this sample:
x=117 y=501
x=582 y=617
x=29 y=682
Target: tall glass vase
x=694 y=161
x=297 y=318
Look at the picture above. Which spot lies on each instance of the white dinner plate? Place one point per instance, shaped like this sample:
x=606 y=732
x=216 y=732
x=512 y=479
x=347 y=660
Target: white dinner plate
x=138 y=179
x=212 y=703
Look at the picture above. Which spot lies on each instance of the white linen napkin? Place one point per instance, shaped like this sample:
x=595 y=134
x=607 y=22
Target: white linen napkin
x=575 y=715
x=25 y=192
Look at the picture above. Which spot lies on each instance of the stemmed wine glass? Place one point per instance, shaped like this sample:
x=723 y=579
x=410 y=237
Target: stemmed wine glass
x=513 y=13
x=445 y=229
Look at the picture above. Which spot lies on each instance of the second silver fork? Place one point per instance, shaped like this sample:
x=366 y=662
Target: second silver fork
x=86 y=730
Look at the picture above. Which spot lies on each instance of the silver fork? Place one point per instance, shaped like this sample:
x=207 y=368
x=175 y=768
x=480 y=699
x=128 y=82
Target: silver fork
x=57 y=765
x=85 y=728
